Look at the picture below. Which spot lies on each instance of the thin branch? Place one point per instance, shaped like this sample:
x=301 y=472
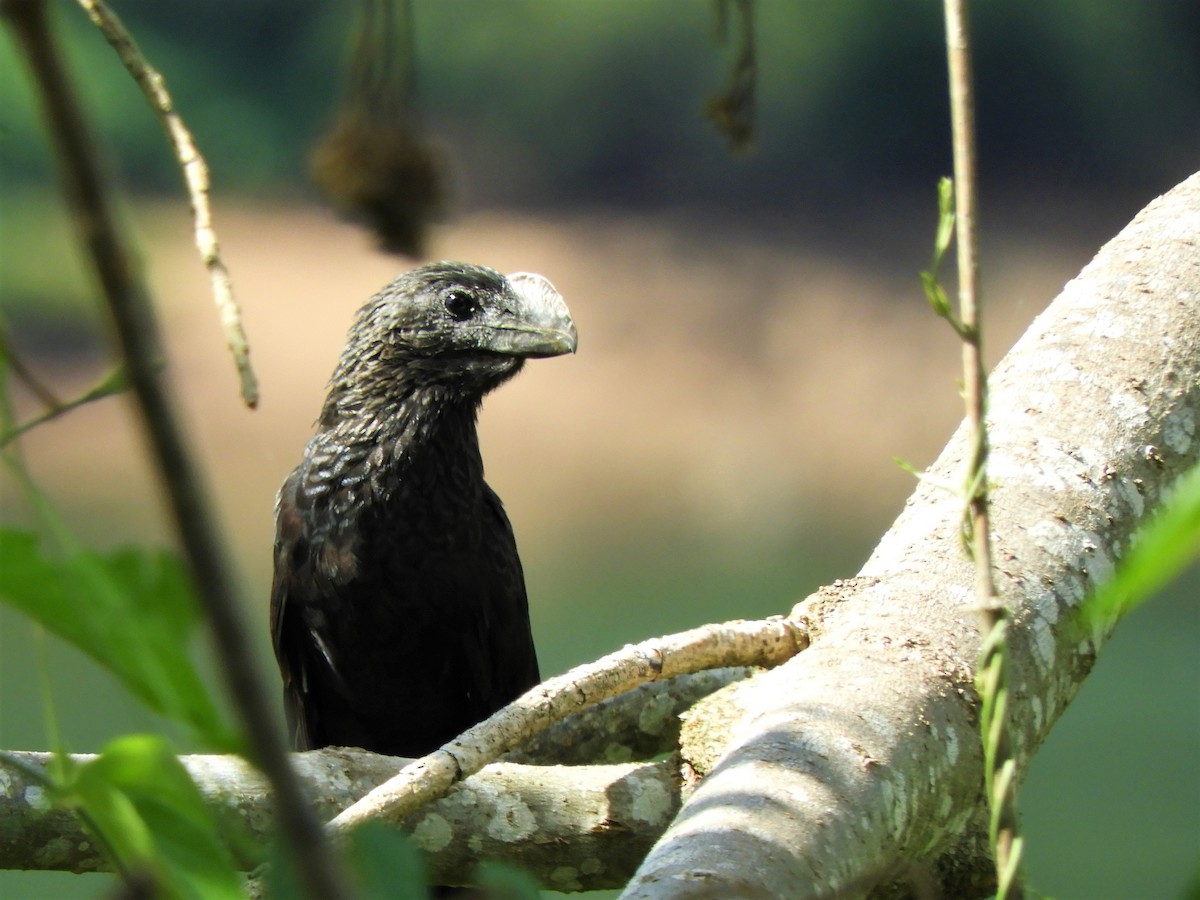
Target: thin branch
x=762 y=643
x=974 y=375
x=113 y=383
x=195 y=176
x=992 y=678
x=133 y=317
x=639 y=724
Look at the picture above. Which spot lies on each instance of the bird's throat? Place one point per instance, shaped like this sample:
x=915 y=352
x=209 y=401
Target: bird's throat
x=400 y=457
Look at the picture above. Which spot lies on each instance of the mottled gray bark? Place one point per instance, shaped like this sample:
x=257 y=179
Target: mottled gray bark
x=858 y=763
x=576 y=827
x=764 y=643
x=639 y=724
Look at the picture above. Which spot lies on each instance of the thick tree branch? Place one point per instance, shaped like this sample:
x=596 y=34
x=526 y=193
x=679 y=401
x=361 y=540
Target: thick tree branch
x=859 y=761
x=593 y=824
x=576 y=828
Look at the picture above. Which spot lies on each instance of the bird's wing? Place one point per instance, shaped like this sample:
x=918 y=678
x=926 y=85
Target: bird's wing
x=407 y=656
x=286 y=637
x=513 y=655
x=307 y=664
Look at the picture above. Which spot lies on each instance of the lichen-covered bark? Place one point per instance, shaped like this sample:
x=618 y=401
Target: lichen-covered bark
x=579 y=827
x=639 y=724
x=858 y=763
x=739 y=643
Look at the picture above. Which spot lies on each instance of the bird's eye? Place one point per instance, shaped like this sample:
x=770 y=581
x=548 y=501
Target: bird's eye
x=461 y=305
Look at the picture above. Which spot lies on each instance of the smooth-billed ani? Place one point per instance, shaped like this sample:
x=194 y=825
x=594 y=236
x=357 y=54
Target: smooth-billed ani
x=398 y=606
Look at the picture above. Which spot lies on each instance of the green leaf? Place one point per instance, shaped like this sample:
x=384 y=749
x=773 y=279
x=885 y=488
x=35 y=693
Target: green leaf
x=945 y=229
x=935 y=294
x=387 y=866
x=279 y=877
x=132 y=611
x=502 y=881
x=1161 y=549
x=150 y=812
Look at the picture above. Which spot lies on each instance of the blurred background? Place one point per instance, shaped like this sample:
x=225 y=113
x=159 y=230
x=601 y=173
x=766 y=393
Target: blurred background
x=755 y=347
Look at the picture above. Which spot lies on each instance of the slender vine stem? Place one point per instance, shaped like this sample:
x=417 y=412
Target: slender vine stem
x=112 y=383
x=136 y=332
x=992 y=677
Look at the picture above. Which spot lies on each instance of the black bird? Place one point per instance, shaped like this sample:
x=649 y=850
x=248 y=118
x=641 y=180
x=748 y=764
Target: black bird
x=398 y=606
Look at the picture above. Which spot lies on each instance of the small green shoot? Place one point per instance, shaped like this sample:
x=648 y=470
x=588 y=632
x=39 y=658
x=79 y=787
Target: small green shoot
x=930 y=279
x=115 y=382
x=1162 y=548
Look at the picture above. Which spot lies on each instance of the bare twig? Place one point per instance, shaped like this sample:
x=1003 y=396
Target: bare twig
x=113 y=383
x=992 y=677
x=136 y=330
x=764 y=643
x=195 y=176
x=974 y=376
x=638 y=724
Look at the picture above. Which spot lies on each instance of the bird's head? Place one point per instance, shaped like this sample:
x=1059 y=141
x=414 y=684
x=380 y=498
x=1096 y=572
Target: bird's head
x=461 y=327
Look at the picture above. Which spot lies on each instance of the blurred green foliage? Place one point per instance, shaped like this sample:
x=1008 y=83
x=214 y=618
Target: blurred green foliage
x=600 y=100
x=138 y=795
x=132 y=611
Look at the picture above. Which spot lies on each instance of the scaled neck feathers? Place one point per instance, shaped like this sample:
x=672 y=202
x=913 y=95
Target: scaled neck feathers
x=409 y=457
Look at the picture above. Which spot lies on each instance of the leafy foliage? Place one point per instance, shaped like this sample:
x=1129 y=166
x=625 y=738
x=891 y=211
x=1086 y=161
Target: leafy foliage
x=387 y=866
x=384 y=865
x=931 y=277
x=505 y=882
x=141 y=799
x=132 y=611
